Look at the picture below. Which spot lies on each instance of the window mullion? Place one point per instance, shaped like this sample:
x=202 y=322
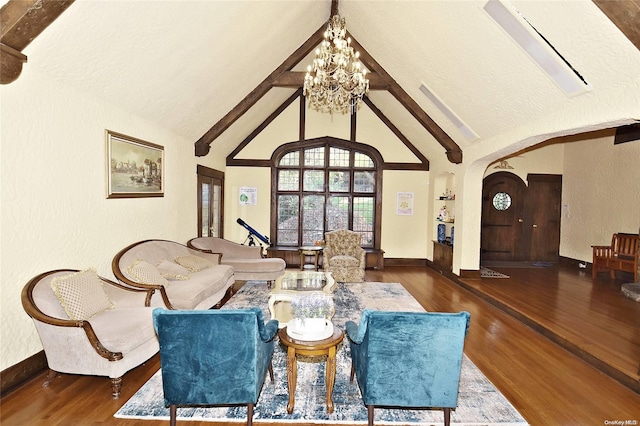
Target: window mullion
x=339 y=200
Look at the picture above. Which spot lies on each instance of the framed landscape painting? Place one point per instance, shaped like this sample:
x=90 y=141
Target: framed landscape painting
x=134 y=167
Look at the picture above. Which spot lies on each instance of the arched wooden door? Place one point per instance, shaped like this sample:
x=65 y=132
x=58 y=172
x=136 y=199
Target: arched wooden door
x=520 y=222
x=503 y=204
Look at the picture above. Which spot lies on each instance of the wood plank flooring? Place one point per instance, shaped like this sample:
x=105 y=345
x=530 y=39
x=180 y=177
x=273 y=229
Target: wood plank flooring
x=547 y=383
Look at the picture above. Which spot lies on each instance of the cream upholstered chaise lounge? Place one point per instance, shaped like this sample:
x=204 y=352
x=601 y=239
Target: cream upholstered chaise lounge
x=90 y=325
x=182 y=278
x=247 y=262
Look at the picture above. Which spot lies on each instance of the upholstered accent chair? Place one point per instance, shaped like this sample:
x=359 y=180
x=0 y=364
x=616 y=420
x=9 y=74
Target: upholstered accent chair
x=408 y=359
x=343 y=256
x=214 y=357
x=89 y=325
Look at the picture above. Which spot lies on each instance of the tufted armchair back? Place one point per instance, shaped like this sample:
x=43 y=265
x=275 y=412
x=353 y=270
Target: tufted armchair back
x=408 y=359
x=343 y=256
x=214 y=357
x=343 y=242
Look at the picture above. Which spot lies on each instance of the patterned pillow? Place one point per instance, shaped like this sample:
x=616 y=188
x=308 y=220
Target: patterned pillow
x=172 y=271
x=194 y=263
x=81 y=294
x=144 y=273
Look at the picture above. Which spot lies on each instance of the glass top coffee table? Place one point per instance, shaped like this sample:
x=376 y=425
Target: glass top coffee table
x=293 y=284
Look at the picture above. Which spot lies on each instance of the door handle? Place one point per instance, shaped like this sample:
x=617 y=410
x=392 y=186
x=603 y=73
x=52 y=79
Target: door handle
x=535 y=226
x=520 y=220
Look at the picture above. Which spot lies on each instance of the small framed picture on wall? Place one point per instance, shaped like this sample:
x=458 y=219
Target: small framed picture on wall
x=135 y=168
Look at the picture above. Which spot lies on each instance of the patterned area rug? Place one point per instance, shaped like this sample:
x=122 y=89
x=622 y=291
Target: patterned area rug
x=479 y=402
x=490 y=273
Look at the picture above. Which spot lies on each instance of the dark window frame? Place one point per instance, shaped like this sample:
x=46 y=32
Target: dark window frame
x=326 y=143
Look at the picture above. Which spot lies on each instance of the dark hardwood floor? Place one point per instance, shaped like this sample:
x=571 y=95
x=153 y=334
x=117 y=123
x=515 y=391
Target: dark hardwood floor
x=525 y=333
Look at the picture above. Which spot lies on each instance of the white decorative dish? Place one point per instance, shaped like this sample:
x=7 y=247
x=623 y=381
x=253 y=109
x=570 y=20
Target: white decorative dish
x=294 y=332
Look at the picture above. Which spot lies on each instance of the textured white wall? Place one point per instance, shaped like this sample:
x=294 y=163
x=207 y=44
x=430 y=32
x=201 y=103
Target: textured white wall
x=600 y=193
x=404 y=236
x=544 y=160
x=53 y=195
x=255 y=216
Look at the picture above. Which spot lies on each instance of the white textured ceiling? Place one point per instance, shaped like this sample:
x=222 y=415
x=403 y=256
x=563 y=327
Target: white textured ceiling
x=187 y=63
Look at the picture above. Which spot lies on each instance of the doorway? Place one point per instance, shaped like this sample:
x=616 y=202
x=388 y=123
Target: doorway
x=210 y=202
x=521 y=222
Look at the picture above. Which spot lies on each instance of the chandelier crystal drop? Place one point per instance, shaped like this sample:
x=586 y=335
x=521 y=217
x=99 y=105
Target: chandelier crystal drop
x=336 y=81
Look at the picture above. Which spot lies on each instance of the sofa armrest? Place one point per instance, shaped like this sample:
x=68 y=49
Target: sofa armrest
x=356 y=332
x=362 y=255
x=227 y=249
x=124 y=296
x=212 y=257
x=352 y=331
x=233 y=250
x=269 y=330
x=327 y=253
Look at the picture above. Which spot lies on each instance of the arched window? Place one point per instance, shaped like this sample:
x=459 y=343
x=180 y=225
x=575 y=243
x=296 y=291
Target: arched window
x=321 y=186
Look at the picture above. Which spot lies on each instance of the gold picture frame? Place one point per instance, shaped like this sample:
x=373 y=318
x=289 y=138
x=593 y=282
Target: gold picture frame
x=134 y=167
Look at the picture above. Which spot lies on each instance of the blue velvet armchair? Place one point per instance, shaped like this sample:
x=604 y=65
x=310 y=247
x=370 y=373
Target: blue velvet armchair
x=408 y=359
x=214 y=357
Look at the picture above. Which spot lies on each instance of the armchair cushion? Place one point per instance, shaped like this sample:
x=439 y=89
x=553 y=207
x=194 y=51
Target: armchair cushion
x=340 y=261
x=172 y=271
x=145 y=273
x=193 y=263
x=124 y=329
x=81 y=294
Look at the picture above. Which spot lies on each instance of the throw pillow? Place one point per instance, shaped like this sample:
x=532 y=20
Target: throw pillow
x=81 y=294
x=172 y=271
x=194 y=263
x=145 y=273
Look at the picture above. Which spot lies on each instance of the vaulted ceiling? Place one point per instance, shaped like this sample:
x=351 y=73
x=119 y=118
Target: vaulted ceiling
x=212 y=71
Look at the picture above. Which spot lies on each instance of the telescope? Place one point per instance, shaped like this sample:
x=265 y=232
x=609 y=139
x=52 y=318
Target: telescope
x=252 y=233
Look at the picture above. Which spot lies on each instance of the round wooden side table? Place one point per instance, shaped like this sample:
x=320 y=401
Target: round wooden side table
x=326 y=347
x=315 y=251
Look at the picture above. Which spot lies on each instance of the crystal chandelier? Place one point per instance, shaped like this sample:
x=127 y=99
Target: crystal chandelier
x=335 y=82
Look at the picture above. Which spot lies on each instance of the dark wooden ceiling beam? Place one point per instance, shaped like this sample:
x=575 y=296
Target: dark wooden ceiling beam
x=625 y=14
x=231 y=161
x=282 y=76
x=295 y=79
x=202 y=146
x=21 y=21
